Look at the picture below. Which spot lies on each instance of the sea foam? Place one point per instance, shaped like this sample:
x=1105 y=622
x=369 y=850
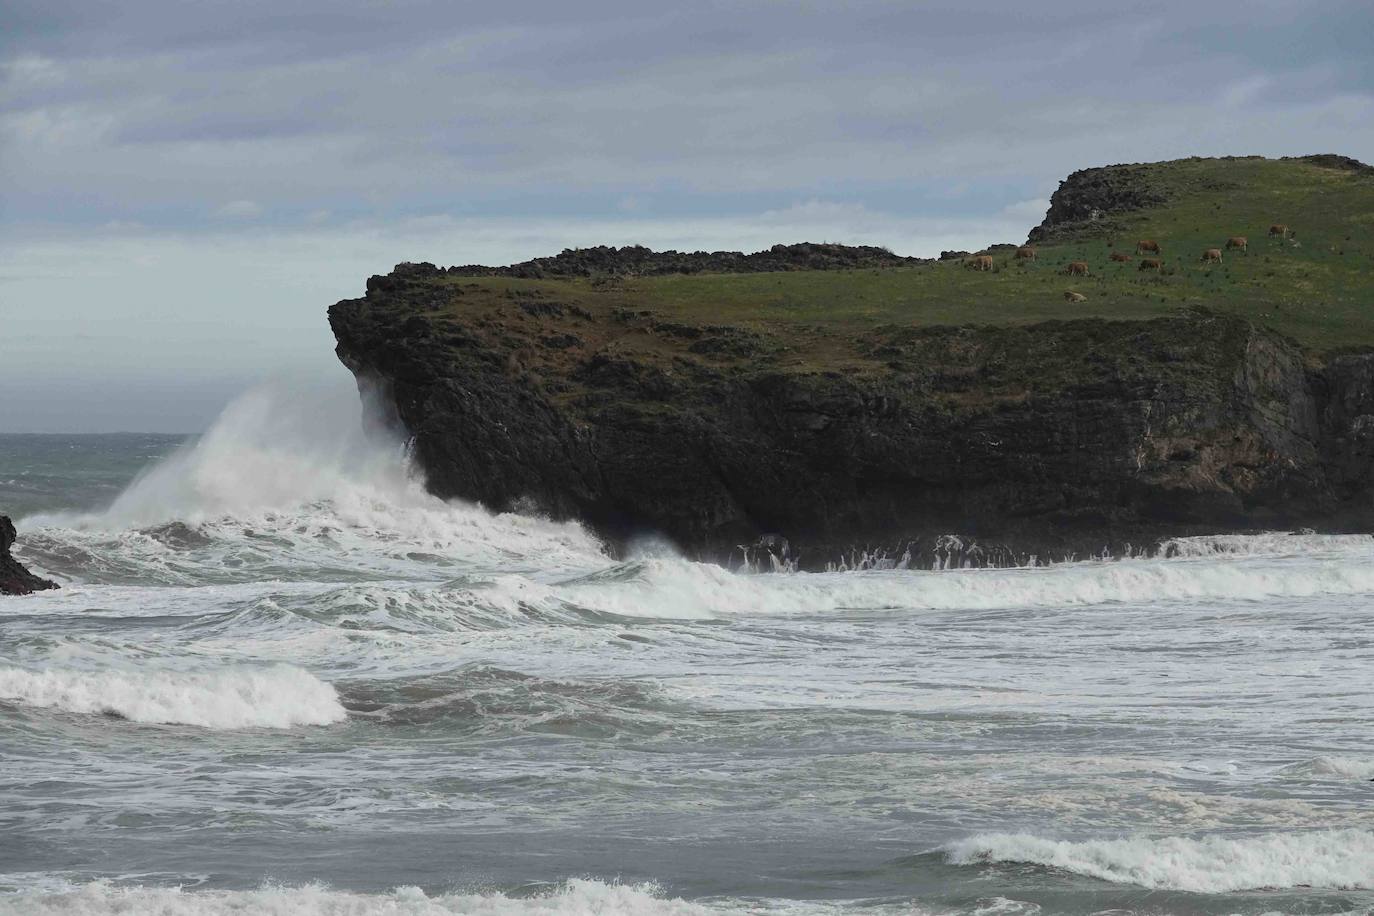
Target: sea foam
x=275 y=697
x=575 y=897
x=1335 y=859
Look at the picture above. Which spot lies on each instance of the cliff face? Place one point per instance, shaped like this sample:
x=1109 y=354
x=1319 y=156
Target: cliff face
x=14 y=578
x=1049 y=439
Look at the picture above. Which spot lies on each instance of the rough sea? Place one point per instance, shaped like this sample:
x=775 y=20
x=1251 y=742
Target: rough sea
x=282 y=678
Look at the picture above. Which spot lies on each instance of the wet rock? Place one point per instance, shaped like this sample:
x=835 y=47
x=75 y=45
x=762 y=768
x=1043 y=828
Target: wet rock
x=14 y=578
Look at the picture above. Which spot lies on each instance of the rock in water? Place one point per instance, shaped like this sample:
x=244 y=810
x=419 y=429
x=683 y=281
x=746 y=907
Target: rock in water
x=14 y=578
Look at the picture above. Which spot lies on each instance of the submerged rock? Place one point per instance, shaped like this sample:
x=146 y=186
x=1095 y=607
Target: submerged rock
x=14 y=578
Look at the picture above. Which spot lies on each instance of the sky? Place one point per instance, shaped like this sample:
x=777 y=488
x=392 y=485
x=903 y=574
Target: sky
x=186 y=186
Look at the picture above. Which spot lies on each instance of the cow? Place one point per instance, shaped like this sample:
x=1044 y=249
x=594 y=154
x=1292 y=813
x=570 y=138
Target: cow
x=1211 y=254
x=1121 y=258
x=1145 y=245
x=980 y=262
x=1238 y=241
x=1151 y=264
x=1278 y=229
x=1025 y=253
x=1077 y=269
x=1071 y=296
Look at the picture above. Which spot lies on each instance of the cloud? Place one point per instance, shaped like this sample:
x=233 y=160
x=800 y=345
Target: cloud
x=240 y=209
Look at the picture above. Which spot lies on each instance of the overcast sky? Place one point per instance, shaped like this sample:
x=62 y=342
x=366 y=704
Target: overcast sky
x=186 y=186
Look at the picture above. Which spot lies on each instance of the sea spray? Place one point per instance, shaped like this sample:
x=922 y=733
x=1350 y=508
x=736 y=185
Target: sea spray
x=281 y=480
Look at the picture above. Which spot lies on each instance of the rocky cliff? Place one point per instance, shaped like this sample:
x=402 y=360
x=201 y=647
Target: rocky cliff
x=14 y=578
x=1058 y=438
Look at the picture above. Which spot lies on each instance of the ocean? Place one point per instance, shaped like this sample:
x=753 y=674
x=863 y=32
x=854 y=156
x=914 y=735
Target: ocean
x=282 y=678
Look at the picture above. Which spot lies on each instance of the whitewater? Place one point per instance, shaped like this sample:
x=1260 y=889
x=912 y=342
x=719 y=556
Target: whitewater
x=281 y=677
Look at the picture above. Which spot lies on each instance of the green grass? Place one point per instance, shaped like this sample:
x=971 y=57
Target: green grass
x=1320 y=291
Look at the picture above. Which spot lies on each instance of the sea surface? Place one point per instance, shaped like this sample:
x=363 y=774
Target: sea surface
x=282 y=678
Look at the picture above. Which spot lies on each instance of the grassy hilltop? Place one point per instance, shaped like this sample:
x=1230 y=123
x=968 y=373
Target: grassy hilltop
x=1317 y=287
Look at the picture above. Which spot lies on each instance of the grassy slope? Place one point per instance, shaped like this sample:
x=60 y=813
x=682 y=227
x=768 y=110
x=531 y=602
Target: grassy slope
x=1320 y=291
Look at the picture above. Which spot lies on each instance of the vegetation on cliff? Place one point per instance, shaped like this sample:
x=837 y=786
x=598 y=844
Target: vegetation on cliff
x=1316 y=286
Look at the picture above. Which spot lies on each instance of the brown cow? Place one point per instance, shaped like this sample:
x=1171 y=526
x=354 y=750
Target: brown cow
x=1071 y=296
x=1211 y=254
x=1077 y=269
x=1145 y=245
x=1278 y=229
x=1121 y=258
x=1025 y=253
x=980 y=262
x=1151 y=264
x=1238 y=241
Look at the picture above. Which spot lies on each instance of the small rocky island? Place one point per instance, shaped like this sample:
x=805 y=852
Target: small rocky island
x=14 y=578
x=850 y=403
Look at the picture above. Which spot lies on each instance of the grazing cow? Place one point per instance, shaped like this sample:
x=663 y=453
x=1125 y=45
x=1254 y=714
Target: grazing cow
x=1121 y=258
x=1025 y=253
x=1071 y=296
x=1145 y=245
x=1278 y=229
x=1077 y=269
x=1151 y=264
x=980 y=262
x=1238 y=241
x=1211 y=254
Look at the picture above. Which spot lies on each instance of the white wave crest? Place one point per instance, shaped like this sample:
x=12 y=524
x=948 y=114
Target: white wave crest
x=276 y=697
x=1325 y=767
x=575 y=897
x=1334 y=859
x=1270 y=544
x=682 y=589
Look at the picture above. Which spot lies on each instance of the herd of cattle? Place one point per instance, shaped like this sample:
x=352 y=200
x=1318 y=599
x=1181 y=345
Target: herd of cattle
x=1142 y=247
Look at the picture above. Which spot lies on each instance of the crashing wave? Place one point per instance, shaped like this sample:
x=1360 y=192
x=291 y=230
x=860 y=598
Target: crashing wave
x=1333 y=859
x=285 y=486
x=1337 y=768
x=1271 y=544
x=276 y=697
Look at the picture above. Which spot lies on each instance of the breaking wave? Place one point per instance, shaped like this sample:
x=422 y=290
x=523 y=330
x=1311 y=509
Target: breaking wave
x=680 y=589
x=1331 y=859
x=1271 y=544
x=277 y=697
x=287 y=486
x=1334 y=768
x=579 y=896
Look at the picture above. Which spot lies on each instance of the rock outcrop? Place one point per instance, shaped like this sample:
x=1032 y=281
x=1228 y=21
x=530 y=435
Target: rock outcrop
x=638 y=261
x=1062 y=438
x=1089 y=200
x=14 y=578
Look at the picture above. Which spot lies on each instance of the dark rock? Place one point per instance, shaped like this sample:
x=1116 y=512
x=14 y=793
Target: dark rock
x=605 y=261
x=14 y=578
x=1334 y=161
x=1089 y=199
